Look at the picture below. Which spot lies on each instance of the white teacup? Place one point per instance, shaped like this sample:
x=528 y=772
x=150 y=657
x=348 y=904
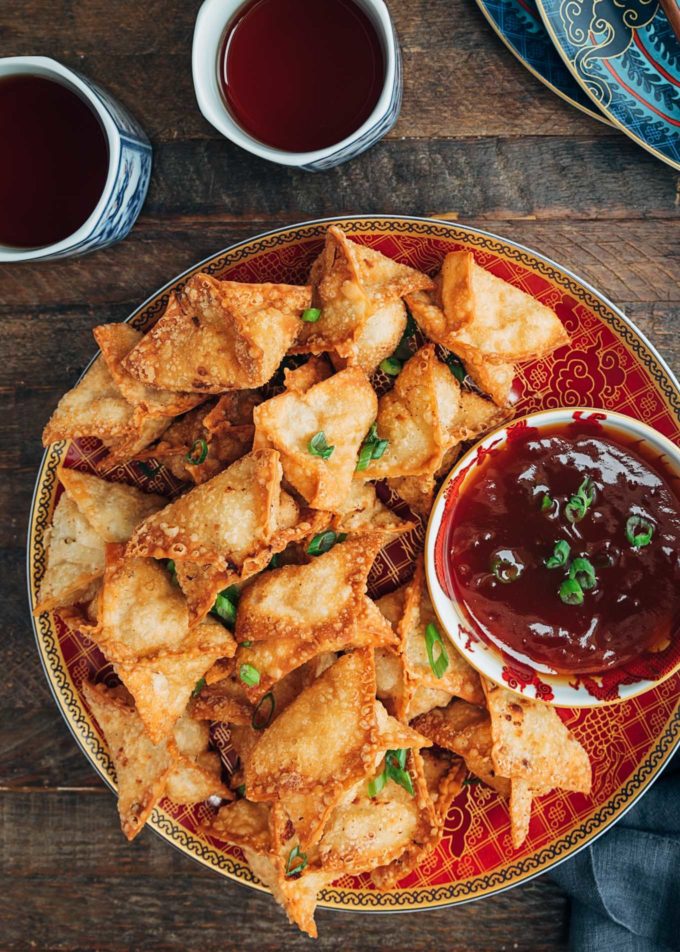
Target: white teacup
x=211 y=22
x=129 y=169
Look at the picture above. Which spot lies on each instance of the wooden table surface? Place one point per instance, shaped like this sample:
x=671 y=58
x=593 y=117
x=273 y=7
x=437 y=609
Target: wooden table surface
x=480 y=141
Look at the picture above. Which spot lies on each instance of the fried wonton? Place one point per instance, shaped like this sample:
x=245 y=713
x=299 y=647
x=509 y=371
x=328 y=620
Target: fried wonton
x=444 y=775
x=142 y=768
x=417 y=417
x=458 y=677
x=416 y=491
x=75 y=558
x=90 y=513
x=325 y=737
x=113 y=510
x=362 y=510
x=219 y=335
x=244 y=824
x=221 y=522
x=465 y=730
x=377 y=339
x=196 y=775
x=533 y=747
x=301 y=379
x=352 y=283
x=115 y=342
x=477 y=416
x=339 y=411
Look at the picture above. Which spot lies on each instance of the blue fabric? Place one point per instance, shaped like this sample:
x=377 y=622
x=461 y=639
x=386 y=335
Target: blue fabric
x=625 y=888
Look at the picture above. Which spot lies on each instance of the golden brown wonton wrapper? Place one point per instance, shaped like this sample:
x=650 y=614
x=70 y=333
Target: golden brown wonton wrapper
x=219 y=335
x=362 y=510
x=113 y=510
x=115 y=342
x=377 y=339
x=353 y=282
x=343 y=408
x=221 y=522
x=197 y=774
x=418 y=417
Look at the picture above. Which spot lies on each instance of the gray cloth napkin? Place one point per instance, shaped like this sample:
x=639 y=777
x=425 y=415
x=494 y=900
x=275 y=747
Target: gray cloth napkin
x=625 y=888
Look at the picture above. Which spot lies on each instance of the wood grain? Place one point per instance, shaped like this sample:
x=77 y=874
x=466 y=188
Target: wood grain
x=479 y=141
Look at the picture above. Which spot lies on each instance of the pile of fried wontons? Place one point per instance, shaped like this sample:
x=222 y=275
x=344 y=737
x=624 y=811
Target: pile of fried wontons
x=243 y=600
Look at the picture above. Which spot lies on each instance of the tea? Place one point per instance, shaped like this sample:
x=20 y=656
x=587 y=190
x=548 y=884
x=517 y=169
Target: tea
x=53 y=161
x=301 y=75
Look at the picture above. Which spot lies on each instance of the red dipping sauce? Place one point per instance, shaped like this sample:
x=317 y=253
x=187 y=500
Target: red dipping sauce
x=301 y=75
x=54 y=161
x=564 y=548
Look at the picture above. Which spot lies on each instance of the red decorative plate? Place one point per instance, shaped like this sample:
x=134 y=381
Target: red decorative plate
x=610 y=364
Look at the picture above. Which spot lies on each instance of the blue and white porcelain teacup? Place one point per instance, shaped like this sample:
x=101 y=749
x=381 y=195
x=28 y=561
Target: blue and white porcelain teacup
x=129 y=167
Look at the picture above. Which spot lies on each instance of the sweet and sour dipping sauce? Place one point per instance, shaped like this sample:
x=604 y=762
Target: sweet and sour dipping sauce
x=564 y=548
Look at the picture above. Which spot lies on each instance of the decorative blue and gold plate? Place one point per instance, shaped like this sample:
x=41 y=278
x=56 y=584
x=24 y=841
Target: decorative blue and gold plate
x=519 y=25
x=625 y=56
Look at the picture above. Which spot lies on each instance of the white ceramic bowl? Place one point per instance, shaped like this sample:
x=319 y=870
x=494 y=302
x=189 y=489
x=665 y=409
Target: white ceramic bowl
x=211 y=23
x=534 y=680
x=129 y=169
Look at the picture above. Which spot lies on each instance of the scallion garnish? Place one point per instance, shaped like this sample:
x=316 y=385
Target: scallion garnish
x=505 y=567
x=249 y=675
x=579 y=504
x=372 y=448
x=404 y=351
x=324 y=541
x=559 y=557
x=395 y=769
x=297 y=861
x=274 y=562
x=246 y=644
x=318 y=446
x=200 y=684
x=264 y=712
x=639 y=531
x=456 y=367
x=582 y=571
x=311 y=315
x=225 y=605
x=197 y=453
x=391 y=366
x=240 y=790
x=170 y=566
x=432 y=639
x=547 y=503
x=571 y=592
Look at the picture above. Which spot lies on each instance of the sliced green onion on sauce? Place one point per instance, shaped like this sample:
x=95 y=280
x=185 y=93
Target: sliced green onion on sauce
x=200 y=684
x=318 y=446
x=297 y=861
x=582 y=570
x=505 y=567
x=571 y=592
x=434 y=639
x=249 y=675
x=311 y=315
x=324 y=541
x=559 y=556
x=639 y=531
x=547 y=502
x=197 y=453
x=391 y=366
x=579 y=504
x=263 y=713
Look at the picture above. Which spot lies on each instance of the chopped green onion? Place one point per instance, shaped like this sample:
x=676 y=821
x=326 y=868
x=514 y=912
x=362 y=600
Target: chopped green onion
x=391 y=366
x=571 y=592
x=246 y=644
x=148 y=471
x=170 y=566
x=505 y=567
x=225 y=607
x=643 y=537
x=395 y=767
x=432 y=638
x=241 y=790
x=403 y=351
x=376 y=784
x=579 y=504
x=456 y=367
x=274 y=562
x=311 y=315
x=318 y=446
x=469 y=781
x=200 y=684
x=372 y=448
x=583 y=571
x=197 y=453
x=262 y=720
x=546 y=503
x=324 y=541
x=249 y=675
x=297 y=861
x=559 y=557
